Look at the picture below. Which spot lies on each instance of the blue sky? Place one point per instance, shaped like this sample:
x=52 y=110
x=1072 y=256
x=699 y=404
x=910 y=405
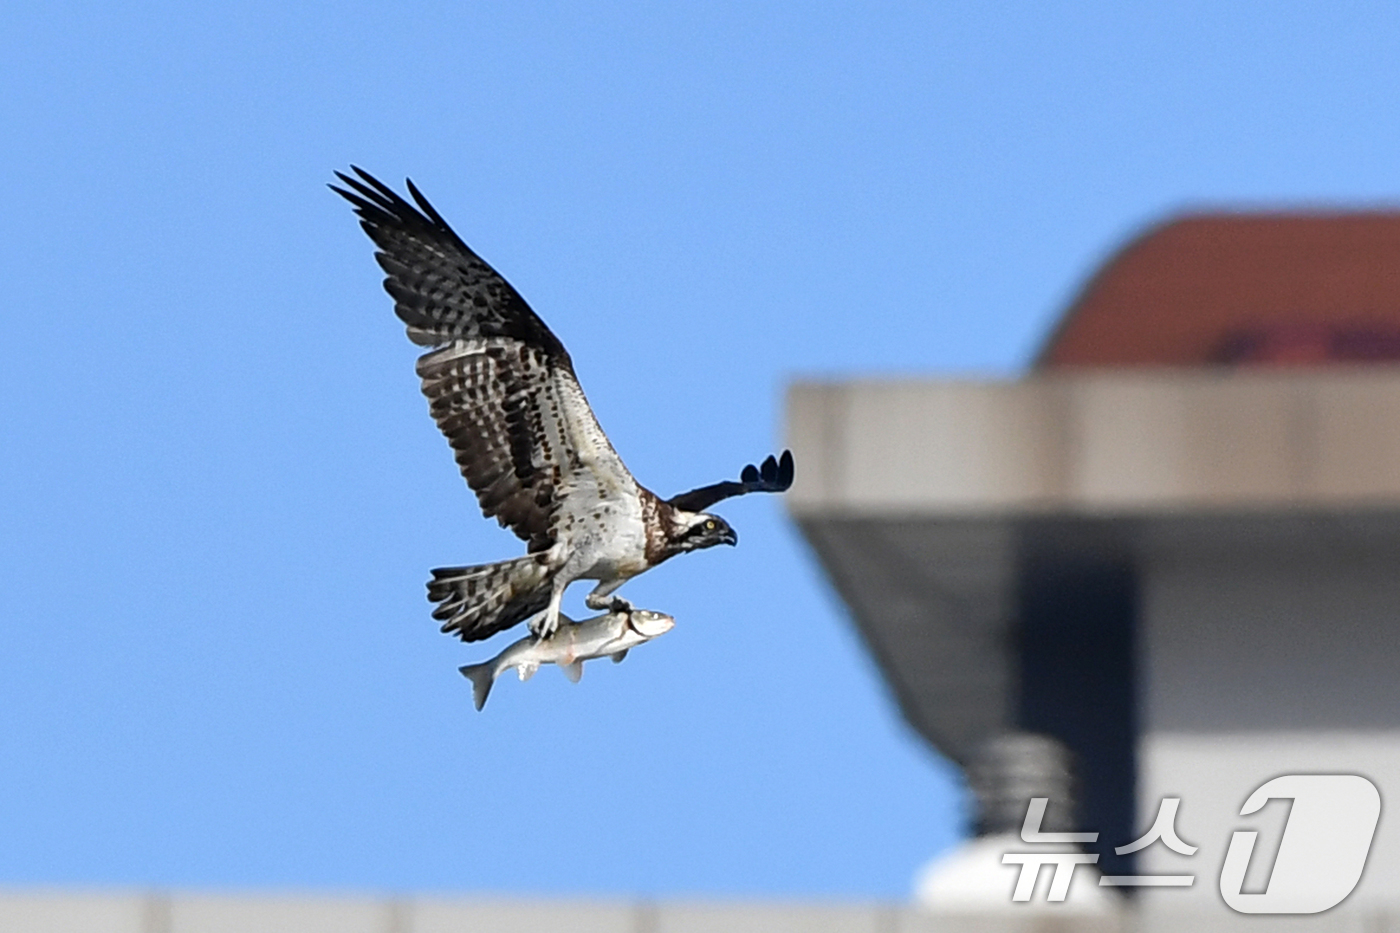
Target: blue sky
x=220 y=492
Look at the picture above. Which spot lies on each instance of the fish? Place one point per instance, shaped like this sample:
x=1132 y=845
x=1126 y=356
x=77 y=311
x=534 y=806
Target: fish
x=610 y=635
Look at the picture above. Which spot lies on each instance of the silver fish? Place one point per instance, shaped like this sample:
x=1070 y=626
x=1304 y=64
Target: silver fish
x=610 y=635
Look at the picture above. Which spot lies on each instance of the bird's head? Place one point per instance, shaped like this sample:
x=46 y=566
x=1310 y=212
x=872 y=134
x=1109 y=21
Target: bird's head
x=701 y=530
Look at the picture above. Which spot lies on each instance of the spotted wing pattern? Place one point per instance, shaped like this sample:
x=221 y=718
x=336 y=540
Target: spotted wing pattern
x=523 y=434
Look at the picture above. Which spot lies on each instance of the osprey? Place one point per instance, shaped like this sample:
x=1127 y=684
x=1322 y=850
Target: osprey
x=501 y=387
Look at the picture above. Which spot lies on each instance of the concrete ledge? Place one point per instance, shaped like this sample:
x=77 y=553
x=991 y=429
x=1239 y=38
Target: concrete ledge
x=1099 y=443
x=61 y=911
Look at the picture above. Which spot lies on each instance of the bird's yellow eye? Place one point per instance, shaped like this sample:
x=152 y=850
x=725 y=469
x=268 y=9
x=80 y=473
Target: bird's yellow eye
x=710 y=524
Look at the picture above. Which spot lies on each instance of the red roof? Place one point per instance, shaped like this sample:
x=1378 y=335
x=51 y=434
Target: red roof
x=1281 y=288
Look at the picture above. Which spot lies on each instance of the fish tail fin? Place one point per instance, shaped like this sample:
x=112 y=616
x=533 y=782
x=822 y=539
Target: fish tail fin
x=573 y=670
x=477 y=602
x=482 y=678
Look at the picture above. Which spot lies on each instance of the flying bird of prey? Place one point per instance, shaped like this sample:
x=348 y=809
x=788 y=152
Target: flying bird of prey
x=501 y=387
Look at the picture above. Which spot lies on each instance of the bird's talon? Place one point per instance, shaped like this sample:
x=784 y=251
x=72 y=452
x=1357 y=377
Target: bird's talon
x=542 y=629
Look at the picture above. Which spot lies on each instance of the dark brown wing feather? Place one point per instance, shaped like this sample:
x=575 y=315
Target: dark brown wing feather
x=775 y=475
x=441 y=289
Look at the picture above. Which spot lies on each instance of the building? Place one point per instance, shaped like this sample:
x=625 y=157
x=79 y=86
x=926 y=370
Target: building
x=1173 y=546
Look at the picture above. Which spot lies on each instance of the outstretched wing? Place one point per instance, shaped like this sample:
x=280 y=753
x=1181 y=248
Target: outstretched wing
x=775 y=475
x=500 y=385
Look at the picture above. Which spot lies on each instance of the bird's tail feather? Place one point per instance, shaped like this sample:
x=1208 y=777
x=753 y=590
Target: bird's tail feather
x=477 y=602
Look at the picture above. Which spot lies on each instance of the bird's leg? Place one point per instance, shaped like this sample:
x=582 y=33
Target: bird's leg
x=598 y=599
x=545 y=624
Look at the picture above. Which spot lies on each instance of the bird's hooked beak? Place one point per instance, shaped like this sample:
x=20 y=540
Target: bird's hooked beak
x=717 y=531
